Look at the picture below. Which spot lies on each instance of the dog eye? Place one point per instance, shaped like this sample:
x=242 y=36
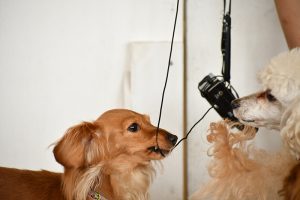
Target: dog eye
x=134 y=127
x=270 y=97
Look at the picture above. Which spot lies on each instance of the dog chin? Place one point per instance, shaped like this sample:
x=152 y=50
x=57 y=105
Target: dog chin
x=260 y=123
x=249 y=121
x=158 y=153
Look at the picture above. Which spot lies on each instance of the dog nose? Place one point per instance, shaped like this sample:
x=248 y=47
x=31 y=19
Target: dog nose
x=235 y=104
x=172 y=138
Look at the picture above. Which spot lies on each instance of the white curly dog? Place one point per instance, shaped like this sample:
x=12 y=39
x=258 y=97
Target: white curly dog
x=277 y=106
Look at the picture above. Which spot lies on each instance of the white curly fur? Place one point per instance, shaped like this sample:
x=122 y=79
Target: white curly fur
x=239 y=171
x=290 y=127
x=282 y=76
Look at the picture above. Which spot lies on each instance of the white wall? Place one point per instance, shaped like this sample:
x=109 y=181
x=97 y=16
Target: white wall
x=62 y=62
x=256 y=37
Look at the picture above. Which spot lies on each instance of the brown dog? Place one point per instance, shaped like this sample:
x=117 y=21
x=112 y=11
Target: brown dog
x=109 y=158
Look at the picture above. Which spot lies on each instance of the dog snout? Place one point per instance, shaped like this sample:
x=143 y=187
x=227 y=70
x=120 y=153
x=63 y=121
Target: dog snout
x=172 y=138
x=235 y=104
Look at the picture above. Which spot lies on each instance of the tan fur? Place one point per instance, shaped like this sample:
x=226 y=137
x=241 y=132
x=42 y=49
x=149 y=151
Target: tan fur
x=291 y=188
x=238 y=170
x=290 y=133
x=104 y=156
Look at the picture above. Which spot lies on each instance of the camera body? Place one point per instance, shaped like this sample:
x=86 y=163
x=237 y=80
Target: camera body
x=218 y=96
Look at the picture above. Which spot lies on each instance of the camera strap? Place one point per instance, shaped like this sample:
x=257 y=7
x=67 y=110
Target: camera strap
x=226 y=42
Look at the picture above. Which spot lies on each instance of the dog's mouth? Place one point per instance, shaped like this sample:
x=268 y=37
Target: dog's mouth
x=158 y=150
x=248 y=120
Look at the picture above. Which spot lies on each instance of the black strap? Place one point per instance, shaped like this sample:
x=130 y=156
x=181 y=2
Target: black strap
x=229 y=7
x=226 y=42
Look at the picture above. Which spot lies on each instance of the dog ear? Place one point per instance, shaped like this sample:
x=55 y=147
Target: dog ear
x=71 y=151
x=290 y=127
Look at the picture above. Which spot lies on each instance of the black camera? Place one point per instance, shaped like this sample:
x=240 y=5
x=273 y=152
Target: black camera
x=218 y=95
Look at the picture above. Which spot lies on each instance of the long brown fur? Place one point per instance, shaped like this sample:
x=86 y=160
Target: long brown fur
x=239 y=171
x=105 y=156
x=291 y=185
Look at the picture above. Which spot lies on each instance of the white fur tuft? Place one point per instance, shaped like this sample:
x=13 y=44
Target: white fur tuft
x=282 y=76
x=290 y=127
